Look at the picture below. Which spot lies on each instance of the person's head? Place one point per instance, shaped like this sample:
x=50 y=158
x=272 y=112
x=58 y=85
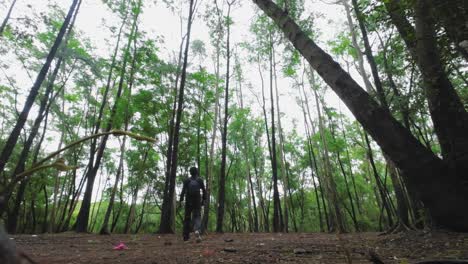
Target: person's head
x=193 y=171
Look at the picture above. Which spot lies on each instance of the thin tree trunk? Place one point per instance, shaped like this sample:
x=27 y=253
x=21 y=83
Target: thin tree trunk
x=281 y=152
x=222 y=178
x=370 y=57
x=336 y=217
x=82 y=219
x=277 y=218
x=110 y=207
x=382 y=193
x=354 y=40
x=23 y=116
x=313 y=165
x=143 y=206
x=5 y=21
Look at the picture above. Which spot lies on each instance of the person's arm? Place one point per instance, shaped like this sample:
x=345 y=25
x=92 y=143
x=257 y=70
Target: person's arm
x=203 y=190
x=184 y=188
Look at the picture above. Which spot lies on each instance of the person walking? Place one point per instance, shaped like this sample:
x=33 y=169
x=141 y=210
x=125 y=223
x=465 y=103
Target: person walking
x=193 y=203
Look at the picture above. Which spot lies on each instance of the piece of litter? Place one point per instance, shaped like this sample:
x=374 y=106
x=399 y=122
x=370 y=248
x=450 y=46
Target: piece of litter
x=260 y=244
x=228 y=240
x=34 y=235
x=230 y=249
x=120 y=246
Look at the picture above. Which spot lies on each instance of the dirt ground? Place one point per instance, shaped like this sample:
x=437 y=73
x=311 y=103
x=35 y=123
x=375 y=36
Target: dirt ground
x=409 y=247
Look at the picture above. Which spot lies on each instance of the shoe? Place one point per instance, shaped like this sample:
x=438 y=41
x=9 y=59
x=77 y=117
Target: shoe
x=198 y=236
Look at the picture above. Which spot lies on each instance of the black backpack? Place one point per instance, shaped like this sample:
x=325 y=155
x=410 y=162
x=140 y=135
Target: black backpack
x=193 y=187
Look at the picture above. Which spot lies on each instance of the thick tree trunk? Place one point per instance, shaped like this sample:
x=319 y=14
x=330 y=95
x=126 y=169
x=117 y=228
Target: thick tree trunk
x=442 y=195
x=449 y=117
x=447 y=111
x=167 y=224
x=170 y=136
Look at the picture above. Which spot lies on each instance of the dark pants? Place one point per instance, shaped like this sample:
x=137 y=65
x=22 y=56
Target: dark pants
x=192 y=215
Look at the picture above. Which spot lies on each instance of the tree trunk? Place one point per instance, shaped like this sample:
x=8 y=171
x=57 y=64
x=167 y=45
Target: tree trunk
x=281 y=152
x=354 y=40
x=222 y=178
x=370 y=57
x=336 y=217
x=447 y=111
x=82 y=219
x=5 y=21
x=131 y=213
x=277 y=219
x=449 y=117
x=23 y=116
x=209 y=180
x=314 y=165
x=380 y=187
x=442 y=195
x=167 y=224
x=110 y=207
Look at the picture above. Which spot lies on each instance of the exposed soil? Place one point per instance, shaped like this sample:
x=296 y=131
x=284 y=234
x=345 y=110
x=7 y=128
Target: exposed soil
x=409 y=247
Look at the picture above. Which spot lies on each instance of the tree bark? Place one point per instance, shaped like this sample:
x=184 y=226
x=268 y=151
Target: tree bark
x=442 y=195
x=449 y=117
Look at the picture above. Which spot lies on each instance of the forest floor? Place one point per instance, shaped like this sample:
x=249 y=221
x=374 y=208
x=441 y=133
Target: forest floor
x=409 y=247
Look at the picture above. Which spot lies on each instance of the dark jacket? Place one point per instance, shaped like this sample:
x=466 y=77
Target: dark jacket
x=186 y=186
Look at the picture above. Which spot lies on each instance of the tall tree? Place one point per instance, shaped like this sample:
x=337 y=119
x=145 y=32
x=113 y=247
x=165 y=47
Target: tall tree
x=222 y=177
x=424 y=169
x=83 y=215
x=23 y=116
x=166 y=224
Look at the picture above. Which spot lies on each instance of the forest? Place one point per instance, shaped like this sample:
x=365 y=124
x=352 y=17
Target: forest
x=312 y=123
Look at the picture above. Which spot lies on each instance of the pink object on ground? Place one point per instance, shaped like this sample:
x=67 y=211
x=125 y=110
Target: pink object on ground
x=120 y=246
